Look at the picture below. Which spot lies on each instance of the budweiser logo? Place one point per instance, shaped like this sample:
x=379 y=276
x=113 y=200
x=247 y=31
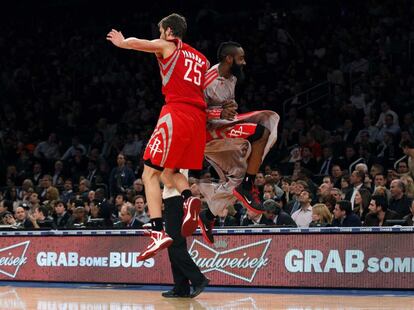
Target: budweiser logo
x=12 y=257
x=242 y=262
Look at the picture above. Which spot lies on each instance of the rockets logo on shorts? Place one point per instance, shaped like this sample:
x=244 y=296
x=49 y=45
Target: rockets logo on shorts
x=237 y=132
x=240 y=130
x=155 y=146
x=160 y=142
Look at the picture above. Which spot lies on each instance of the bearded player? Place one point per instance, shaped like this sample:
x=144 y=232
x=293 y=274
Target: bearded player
x=236 y=144
x=180 y=130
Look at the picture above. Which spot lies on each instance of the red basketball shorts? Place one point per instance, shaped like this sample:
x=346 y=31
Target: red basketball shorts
x=241 y=130
x=179 y=138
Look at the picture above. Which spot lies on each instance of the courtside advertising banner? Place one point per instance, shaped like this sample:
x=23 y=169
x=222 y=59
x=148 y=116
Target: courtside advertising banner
x=379 y=260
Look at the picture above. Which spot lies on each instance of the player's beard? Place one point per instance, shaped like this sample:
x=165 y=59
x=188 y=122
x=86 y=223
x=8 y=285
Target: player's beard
x=237 y=71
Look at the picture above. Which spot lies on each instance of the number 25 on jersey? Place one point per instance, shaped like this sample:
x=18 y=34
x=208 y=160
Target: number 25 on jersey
x=193 y=73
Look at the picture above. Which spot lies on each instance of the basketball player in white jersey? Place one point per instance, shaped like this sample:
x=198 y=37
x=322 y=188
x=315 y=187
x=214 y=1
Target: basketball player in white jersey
x=236 y=144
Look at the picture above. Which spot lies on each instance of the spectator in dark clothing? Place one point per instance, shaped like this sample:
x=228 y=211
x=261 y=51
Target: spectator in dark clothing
x=45 y=183
x=118 y=202
x=349 y=158
x=252 y=218
x=68 y=193
x=121 y=177
x=92 y=174
x=79 y=218
x=107 y=209
x=58 y=174
x=98 y=218
x=127 y=217
x=40 y=218
x=225 y=219
x=308 y=161
x=37 y=174
x=78 y=164
x=357 y=181
x=326 y=162
x=22 y=221
x=274 y=212
x=8 y=219
x=348 y=133
x=84 y=189
x=399 y=202
x=61 y=216
x=6 y=205
x=344 y=217
x=379 y=212
x=387 y=150
x=138 y=187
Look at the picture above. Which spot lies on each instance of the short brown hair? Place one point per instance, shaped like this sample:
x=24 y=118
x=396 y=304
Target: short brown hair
x=139 y=196
x=176 y=23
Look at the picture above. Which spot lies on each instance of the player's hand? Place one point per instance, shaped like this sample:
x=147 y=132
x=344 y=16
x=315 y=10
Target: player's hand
x=116 y=37
x=230 y=104
x=228 y=113
x=229 y=110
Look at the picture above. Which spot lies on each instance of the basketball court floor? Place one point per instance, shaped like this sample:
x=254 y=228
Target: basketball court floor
x=41 y=296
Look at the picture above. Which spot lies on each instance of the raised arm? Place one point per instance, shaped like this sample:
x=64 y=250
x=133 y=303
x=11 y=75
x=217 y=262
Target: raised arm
x=158 y=46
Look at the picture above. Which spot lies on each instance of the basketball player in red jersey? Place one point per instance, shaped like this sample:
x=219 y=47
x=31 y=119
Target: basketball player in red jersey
x=179 y=138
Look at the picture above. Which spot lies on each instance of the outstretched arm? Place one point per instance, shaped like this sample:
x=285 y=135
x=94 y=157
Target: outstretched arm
x=154 y=46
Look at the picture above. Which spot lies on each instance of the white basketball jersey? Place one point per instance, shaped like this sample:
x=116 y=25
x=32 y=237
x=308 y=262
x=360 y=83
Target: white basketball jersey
x=217 y=88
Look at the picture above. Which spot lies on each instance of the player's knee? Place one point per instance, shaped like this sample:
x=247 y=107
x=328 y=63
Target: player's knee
x=148 y=174
x=167 y=178
x=145 y=177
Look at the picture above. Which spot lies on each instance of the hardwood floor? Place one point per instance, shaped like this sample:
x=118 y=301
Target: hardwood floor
x=44 y=298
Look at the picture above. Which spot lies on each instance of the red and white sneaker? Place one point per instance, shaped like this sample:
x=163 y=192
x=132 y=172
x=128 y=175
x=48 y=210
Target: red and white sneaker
x=160 y=241
x=192 y=207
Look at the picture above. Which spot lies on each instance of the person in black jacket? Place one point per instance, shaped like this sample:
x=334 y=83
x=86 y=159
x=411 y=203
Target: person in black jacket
x=60 y=216
x=274 y=213
x=40 y=219
x=121 y=177
x=22 y=222
x=357 y=181
x=127 y=217
x=223 y=219
x=344 y=217
x=399 y=202
x=379 y=212
x=252 y=218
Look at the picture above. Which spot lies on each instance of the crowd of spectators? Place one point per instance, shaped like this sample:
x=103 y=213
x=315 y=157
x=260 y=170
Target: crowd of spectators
x=76 y=113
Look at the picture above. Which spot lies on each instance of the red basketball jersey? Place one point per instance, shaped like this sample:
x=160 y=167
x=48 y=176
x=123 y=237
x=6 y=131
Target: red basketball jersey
x=183 y=75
